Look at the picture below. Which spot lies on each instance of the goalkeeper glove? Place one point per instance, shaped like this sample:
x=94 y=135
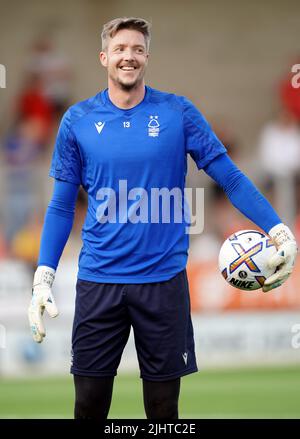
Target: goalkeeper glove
x=284 y=259
x=41 y=298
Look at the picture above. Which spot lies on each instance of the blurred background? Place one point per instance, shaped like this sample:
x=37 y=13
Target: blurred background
x=233 y=60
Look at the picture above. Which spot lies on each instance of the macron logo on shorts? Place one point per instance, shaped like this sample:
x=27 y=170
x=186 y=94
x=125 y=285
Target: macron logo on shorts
x=185 y=357
x=99 y=126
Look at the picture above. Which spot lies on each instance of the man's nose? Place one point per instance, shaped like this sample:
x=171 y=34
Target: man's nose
x=128 y=55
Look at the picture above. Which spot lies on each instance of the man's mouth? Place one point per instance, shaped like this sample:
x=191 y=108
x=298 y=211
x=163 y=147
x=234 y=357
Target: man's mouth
x=127 y=68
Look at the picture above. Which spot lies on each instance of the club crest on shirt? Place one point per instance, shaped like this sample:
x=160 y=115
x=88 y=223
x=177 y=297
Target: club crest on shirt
x=153 y=126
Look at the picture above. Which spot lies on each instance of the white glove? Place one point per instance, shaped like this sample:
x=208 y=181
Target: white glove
x=283 y=259
x=41 y=298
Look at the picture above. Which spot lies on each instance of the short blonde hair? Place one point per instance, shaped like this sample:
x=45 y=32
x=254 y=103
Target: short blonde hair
x=111 y=28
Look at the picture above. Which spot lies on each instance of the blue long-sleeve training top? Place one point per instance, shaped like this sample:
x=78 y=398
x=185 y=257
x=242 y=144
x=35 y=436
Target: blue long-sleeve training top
x=133 y=164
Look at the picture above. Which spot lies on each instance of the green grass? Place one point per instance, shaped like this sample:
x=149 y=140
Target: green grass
x=235 y=393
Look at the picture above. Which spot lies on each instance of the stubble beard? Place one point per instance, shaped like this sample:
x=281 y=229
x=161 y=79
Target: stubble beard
x=128 y=86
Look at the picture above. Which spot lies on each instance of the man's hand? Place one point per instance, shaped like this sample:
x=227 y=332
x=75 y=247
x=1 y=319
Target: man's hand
x=41 y=298
x=284 y=258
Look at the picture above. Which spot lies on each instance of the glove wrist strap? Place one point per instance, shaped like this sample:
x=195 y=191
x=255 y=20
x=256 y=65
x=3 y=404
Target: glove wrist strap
x=281 y=234
x=44 y=276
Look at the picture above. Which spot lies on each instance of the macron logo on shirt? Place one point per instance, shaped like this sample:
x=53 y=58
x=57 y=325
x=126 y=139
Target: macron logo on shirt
x=99 y=126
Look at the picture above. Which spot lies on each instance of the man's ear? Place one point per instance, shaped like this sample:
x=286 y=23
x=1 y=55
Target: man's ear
x=103 y=58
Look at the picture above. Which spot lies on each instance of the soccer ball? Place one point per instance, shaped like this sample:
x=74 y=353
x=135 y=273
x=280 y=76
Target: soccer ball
x=243 y=259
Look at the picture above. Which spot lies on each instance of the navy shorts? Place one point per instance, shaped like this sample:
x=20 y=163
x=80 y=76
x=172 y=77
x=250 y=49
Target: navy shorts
x=159 y=314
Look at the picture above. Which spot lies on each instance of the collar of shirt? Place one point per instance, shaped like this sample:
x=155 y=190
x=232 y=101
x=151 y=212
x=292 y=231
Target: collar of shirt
x=128 y=112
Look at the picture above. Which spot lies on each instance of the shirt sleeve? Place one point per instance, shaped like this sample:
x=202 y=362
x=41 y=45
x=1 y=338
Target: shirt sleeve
x=66 y=160
x=58 y=223
x=200 y=140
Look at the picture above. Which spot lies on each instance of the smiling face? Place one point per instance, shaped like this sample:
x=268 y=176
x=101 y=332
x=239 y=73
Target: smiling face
x=126 y=59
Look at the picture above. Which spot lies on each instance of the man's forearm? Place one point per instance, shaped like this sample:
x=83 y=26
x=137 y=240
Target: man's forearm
x=249 y=201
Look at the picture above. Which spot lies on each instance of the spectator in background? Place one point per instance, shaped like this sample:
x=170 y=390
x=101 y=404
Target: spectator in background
x=279 y=146
x=45 y=94
x=33 y=104
x=24 y=147
x=32 y=125
x=26 y=242
x=21 y=153
x=289 y=95
x=54 y=70
x=25 y=144
x=279 y=154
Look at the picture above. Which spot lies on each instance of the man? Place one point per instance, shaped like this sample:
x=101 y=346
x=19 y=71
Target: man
x=132 y=140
